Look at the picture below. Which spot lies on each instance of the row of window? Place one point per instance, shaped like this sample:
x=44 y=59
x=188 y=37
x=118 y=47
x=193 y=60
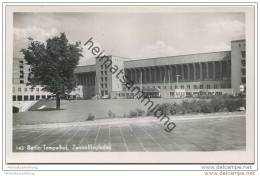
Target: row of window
x=208 y=86
x=155 y=94
x=29 y=97
x=26 y=89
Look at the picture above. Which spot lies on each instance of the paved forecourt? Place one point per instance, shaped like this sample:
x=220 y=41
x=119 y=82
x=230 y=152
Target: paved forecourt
x=204 y=133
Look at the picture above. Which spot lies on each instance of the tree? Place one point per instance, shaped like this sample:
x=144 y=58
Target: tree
x=52 y=65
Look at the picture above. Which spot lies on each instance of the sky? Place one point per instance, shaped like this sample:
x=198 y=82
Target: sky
x=133 y=35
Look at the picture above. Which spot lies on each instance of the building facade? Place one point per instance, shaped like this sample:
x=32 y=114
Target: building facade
x=169 y=77
x=24 y=92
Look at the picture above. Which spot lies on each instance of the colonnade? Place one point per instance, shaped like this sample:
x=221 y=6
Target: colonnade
x=200 y=71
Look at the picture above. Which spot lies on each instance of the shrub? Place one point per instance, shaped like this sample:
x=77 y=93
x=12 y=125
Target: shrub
x=207 y=107
x=111 y=114
x=234 y=104
x=218 y=104
x=190 y=107
x=176 y=109
x=91 y=117
x=149 y=113
x=132 y=114
x=140 y=112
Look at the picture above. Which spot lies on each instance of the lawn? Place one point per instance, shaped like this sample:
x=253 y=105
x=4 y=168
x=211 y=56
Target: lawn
x=78 y=110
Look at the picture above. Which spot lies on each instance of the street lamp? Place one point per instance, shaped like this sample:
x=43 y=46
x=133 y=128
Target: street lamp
x=177 y=78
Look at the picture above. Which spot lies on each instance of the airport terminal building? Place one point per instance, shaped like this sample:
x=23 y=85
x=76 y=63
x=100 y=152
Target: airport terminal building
x=190 y=75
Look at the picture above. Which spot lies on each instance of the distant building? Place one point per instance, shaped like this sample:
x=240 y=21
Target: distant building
x=23 y=92
x=212 y=73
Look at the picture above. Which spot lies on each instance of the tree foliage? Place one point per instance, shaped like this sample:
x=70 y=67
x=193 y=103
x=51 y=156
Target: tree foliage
x=52 y=64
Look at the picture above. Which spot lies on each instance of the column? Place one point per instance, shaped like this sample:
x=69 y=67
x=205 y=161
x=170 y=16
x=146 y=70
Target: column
x=201 y=76
x=182 y=72
x=207 y=70
x=220 y=68
x=162 y=74
x=148 y=75
x=188 y=71
x=214 y=71
x=174 y=73
x=158 y=74
x=151 y=74
x=143 y=75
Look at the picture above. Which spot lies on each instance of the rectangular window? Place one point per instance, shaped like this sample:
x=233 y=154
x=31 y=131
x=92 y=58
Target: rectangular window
x=105 y=72
x=101 y=66
x=26 y=98
x=31 y=97
x=194 y=86
x=13 y=89
x=37 y=97
x=105 y=78
x=37 y=89
x=32 y=89
x=102 y=79
x=188 y=86
x=208 y=86
x=20 y=97
x=223 y=86
x=243 y=80
x=43 y=96
x=101 y=85
x=243 y=62
x=201 y=86
x=21 y=82
x=25 y=89
x=215 y=86
x=19 y=89
x=243 y=70
x=105 y=85
x=243 y=54
x=14 y=98
x=101 y=72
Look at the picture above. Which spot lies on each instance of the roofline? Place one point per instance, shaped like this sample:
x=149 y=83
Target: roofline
x=86 y=65
x=241 y=40
x=179 y=55
x=110 y=55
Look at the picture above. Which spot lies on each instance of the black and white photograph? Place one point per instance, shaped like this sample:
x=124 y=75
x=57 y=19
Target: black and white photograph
x=131 y=80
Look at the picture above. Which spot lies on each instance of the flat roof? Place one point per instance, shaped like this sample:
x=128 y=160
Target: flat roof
x=180 y=59
x=169 y=60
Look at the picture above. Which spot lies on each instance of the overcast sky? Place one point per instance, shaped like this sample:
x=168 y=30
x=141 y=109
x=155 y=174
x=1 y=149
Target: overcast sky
x=134 y=35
